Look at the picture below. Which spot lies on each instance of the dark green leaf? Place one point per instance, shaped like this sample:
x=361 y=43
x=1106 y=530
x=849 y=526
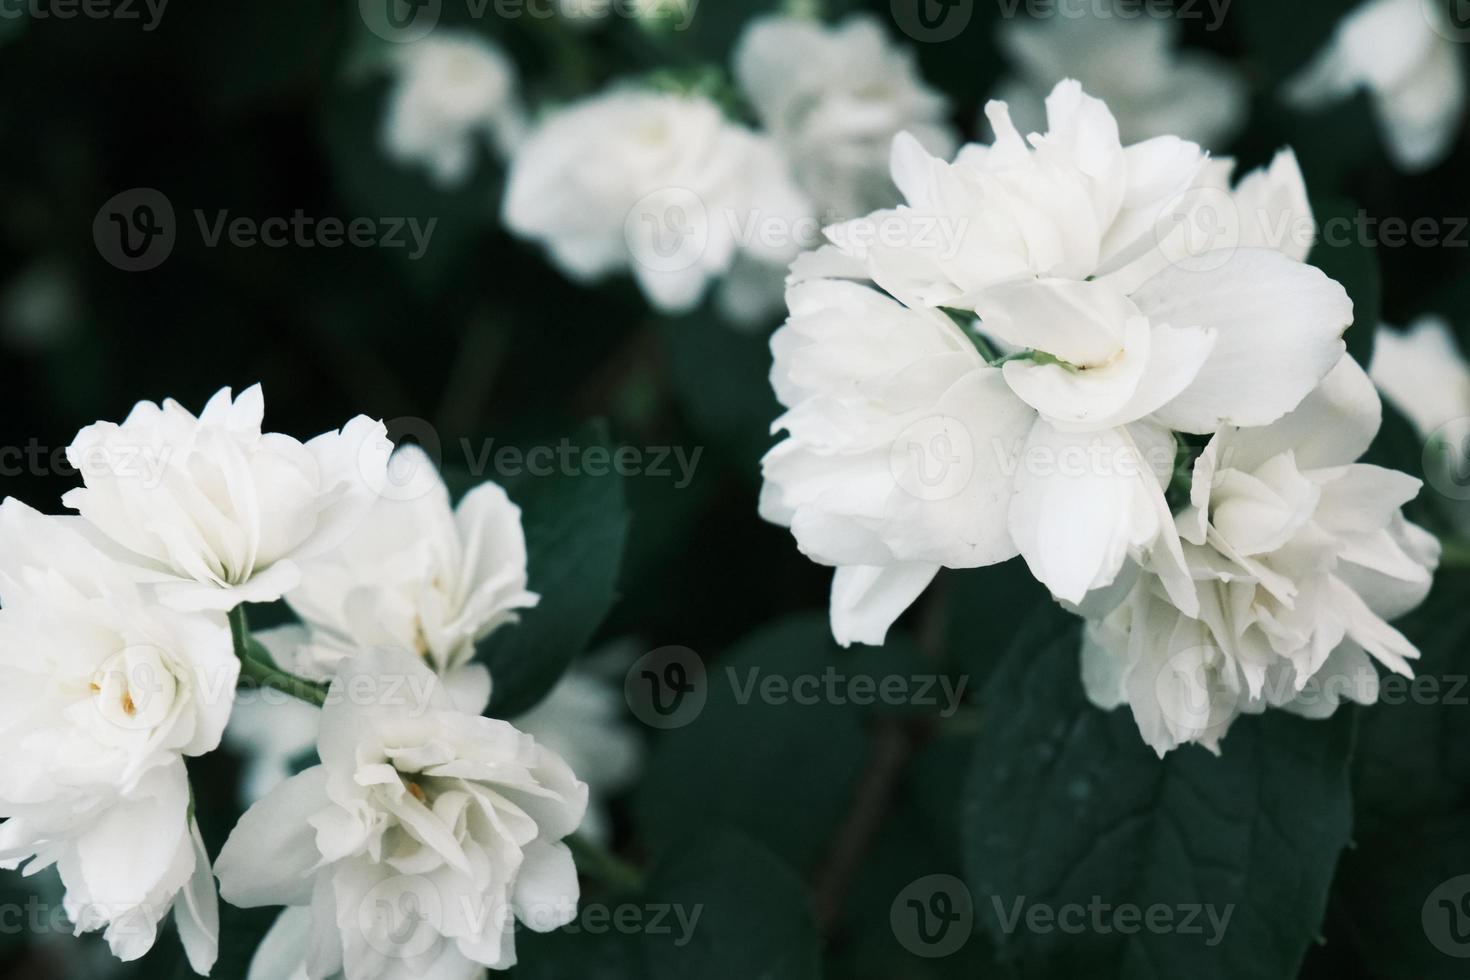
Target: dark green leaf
x=576 y=524
x=753 y=922
x=1068 y=808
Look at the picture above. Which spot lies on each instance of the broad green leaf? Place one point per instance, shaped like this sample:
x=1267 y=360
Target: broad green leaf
x=753 y=920
x=783 y=773
x=576 y=524
x=1067 y=809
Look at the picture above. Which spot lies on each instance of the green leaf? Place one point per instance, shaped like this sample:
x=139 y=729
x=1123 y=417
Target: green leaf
x=1353 y=263
x=1067 y=807
x=1412 y=781
x=576 y=525
x=735 y=760
x=754 y=923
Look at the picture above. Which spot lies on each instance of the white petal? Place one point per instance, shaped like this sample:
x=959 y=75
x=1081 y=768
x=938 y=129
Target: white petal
x=866 y=600
x=1279 y=326
x=272 y=850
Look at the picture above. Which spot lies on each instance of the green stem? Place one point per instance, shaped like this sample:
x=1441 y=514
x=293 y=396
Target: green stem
x=1455 y=553
x=598 y=862
x=255 y=665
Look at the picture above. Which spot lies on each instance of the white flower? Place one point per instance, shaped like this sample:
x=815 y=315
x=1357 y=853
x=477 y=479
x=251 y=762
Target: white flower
x=418 y=575
x=583 y=720
x=102 y=693
x=420 y=839
x=657 y=184
x=1301 y=556
x=1422 y=372
x=1133 y=65
x=453 y=90
x=833 y=98
x=214 y=511
x=1410 y=69
x=908 y=452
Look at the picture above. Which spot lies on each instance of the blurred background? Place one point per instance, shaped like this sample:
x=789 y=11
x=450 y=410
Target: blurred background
x=799 y=829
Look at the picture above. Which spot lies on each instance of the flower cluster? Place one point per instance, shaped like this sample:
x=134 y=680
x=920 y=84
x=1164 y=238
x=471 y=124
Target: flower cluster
x=123 y=636
x=1044 y=381
x=664 y=185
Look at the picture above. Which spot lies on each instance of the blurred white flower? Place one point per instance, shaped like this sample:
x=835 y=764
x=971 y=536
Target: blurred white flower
x=274 y=733
x=660 y=185
x=1410 y=69
x=908 y=452
x=833 y=98
x=102 y=693
x=418 y=575
x=453 y=92
x=211 y=510
x=583 y=720
x=1301 y=556
x=1422 y=372
x=1134 y=65
x=417 y=843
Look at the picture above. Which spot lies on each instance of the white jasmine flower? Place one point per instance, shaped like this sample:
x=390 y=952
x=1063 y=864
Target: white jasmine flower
x=1422 y=372
x=212 y=510
x=833 y=98
x=584 y=721
x=101 y=695
x=454 y=90
x=1301 y=556
x=1410 y=69
x=657 y=184
x=419 y=575
x=1134 y=65
x=420 y=839
x=275 y=733
x=1069 y=252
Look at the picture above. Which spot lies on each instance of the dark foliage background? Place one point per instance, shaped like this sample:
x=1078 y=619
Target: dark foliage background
x=1328 y=838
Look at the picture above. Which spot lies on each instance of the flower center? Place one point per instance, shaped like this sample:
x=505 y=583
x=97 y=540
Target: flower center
x=134 y=689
